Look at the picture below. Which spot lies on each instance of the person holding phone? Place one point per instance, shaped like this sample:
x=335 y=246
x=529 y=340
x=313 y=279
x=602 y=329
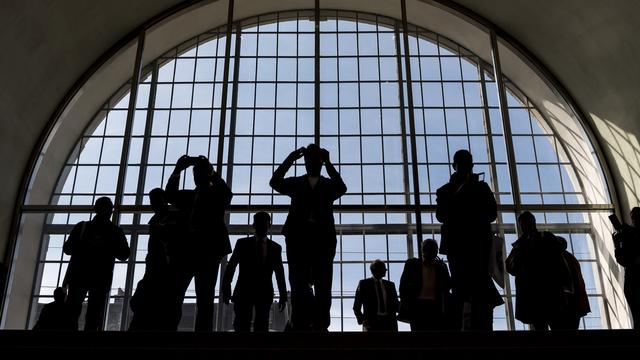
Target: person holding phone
x=627 y=252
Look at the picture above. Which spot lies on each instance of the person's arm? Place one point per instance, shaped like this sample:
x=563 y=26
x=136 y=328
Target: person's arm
x=512 y=264
x=228 y=274
x=339 y=187
x=122 y=250
x=357 y=304
x=446 y=277
x=278 y=182
x=443 y=203
x=222 y=189
x=282 y=284
x=73 y=238
x=173 y=185
x=492 y=206
x=395 y=304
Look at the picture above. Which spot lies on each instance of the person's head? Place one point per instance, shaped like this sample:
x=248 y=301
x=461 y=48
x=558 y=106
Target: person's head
x=313 y=160
x=59 y=295
x=103 y=207
x=635 y=217
x=429 y=249
x=563 y=242
x=378 y=269
x=202 y=171
x=527 y=222
x=158 y=200
x=463 y=162
x=261 y=223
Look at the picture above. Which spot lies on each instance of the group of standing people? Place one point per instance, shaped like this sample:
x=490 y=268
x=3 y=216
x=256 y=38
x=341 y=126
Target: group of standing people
x=550 y=290
x=189 y=239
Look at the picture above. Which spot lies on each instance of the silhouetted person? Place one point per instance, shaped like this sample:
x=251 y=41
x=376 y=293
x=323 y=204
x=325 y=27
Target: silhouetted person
x=310 y=235
x=379 y=299
x=258 y=258
x=204 y=239
x=466 y=208
x=154 y=302
x=93 y=246
x=576 y=295
x=541 y=276
x=424 y=290
x=627 y=252
x=55 y=316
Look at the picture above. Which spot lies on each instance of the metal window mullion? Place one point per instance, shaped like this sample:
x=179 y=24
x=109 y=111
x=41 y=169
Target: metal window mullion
x=193 y=90
x=510 y=314
x=139 y=197
x=412 y=126
x=225 y=85
x=506 y=122
x=137 y=69
x=253 y=123
x=230 y=154
x=403 y=131
x=316 y=76
x=444 y=107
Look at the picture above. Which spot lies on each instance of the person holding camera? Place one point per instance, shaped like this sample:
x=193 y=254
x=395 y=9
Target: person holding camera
x=627 y=251
x=310 y=235
x=204 y=236
x=466 y=208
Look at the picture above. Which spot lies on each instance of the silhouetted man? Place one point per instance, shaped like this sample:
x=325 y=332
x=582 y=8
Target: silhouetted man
x=55 y=316
x=93 y=246
x=310 y=235
x=466 y=207
x=379 y=299
x=541 y=276
x=258 y=258
x=204 y=237
x=424 y=290
x=154 y=303
x=627 y=252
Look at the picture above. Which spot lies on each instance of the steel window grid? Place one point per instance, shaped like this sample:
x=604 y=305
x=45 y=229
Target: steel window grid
x=409 y=82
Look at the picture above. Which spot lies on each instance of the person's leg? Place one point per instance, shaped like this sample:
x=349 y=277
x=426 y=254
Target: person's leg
x=96 y=302
x=481 y=317
x=242 y=320
x=183 y=277
x=322 y=277
x=206 y=277
x=261 y=319
x=301 y=292
x=75 y=298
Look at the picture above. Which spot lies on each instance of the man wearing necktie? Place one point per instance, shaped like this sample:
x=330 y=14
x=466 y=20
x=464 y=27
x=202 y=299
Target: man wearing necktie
x=258 y=258
x=379 y=299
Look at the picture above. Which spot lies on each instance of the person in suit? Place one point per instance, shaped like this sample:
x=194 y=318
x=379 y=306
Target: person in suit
x=310 y=235
x=258 y=258
x=94 y=247
x=379 y=299
x=203 y=236
x=424 y=290
x=541 y=276
x=55 y=316
x=466 y=207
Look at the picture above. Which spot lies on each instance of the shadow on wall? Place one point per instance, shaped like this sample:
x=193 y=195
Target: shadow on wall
x=624 y=155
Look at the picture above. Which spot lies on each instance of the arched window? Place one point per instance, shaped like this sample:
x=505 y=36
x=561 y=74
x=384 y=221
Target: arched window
x=363 y=116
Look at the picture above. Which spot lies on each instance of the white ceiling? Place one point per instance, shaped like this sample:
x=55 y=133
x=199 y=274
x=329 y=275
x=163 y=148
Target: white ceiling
x=591 y=46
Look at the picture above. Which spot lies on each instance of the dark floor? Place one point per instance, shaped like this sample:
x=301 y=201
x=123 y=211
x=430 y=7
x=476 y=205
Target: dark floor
x=601 y=344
